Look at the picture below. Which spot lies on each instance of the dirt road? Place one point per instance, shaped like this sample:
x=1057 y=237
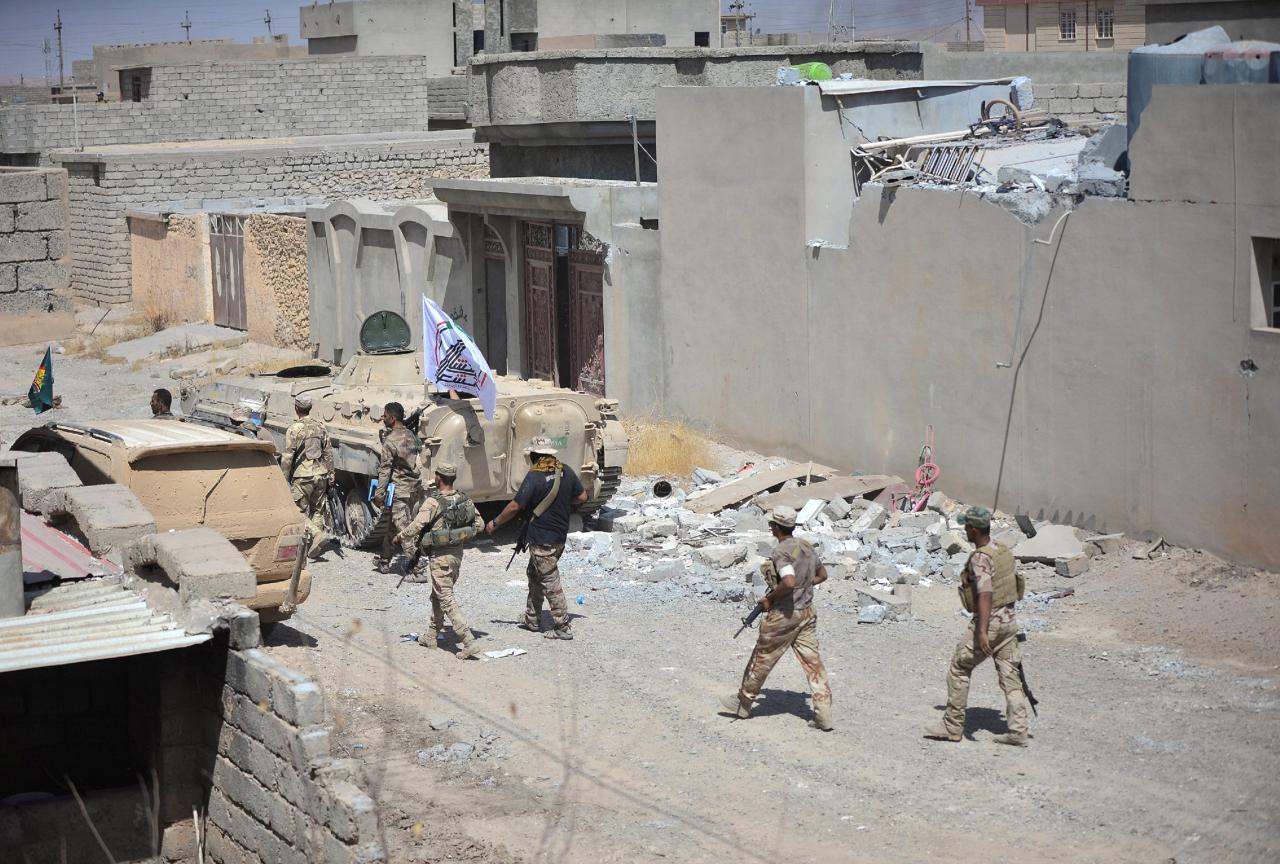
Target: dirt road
x=1157 y=740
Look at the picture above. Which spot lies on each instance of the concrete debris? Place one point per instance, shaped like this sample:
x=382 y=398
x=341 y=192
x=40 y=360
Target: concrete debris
x=442 y=723
x=1106 y=544
x=1073 y=566
x=896 y=608
x=1106 y=147
x=1051 y=543
x=665 y=570
x=837 y=509
x=706 y=477
x=873 y=518
x=809 y=511
x=659 y=528
x=721 y=557
x=872 y=614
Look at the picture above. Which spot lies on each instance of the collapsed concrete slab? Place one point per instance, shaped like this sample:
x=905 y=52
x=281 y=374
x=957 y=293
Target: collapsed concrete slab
x=1051 y=543
x=108 y=517
x=39 y=475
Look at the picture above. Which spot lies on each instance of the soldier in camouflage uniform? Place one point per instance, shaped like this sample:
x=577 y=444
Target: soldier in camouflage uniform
x=989 y=586
x=307 y=462
x=445 y=521
x=790 y=622
x=398 y=465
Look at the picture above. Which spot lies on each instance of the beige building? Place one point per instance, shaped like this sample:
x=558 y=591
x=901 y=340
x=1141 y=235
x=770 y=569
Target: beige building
x=1118 y=25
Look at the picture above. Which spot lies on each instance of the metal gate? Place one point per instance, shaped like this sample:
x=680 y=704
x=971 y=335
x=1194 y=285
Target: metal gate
x=540 y=314
x=226 y=247
x=586 y=324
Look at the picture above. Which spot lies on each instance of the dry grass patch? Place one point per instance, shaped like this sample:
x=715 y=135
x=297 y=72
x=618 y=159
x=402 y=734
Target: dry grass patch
x=94 y=346
x=664 y=447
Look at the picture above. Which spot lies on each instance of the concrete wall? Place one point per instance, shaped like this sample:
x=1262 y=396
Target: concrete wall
x=275 y=280
x=676 y=20
x=1243 y=19
x=102 y=71
x=33 y=239
x=172 y=276
x=104 y=184
x=1129 y=413
x=242 y=100
x=423 y=28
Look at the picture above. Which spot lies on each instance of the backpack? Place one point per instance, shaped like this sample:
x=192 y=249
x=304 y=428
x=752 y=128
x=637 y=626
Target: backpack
x=454 y=524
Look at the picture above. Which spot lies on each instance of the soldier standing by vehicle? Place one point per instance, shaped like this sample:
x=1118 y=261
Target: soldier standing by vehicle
x=790 y=621
x=307 y=463
x=398 y=466
x=548 y=494
x=989 y=586
x=251 y=427
x=447 y=519
x=162 y=404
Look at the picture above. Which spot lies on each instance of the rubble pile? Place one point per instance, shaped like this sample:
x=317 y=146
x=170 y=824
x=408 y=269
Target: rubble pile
x=646 y=537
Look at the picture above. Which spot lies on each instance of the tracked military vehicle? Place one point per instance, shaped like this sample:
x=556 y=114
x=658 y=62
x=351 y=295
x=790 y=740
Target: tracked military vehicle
x=489 y=454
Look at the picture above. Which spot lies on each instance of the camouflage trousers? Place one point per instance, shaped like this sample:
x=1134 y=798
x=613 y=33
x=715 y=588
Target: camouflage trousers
x=544 y=581
x=402 y=513
x=967 y=657
x=778 y=632
x=310 y=495
x=443 y=570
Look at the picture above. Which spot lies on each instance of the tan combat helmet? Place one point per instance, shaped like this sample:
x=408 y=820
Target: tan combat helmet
x=783 y=516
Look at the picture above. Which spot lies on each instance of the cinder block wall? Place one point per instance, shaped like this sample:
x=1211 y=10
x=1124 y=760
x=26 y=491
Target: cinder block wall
x=1082 y=103
x=245 y=99
x=33 y=238
x=102 y=190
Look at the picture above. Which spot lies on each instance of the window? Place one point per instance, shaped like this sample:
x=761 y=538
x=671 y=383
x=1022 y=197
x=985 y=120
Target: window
x=1266 y=283
x=1067 y=25
x=702 y=39
x=524 y=41
x=1106 y=23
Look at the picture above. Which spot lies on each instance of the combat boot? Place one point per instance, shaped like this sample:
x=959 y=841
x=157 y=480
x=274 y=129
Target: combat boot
x=470 y=646
x=1012 y=740
x=531 y=626
x=734 y=705
x=939 y=732
x=821 y=721
x=561 y=632
x=427 y=639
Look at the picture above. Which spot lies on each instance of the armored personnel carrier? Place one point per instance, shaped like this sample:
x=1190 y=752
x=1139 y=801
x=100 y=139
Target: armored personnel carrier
x=489 y=454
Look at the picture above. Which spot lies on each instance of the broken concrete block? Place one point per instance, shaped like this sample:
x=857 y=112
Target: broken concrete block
x=939 y=502
x=659 y=528
x=837 y=509
x=1099 y=180
x=901 y=538
x=871 y=614
x=628 y=524
x=705 y=477
x=875 y=572
x=179 y=373
x=918 y=521
x=1106 y=544
x=750 y=518
x=40 y=474
x=200 y=561
x=1073 y=566
x=895 y=608
x=109 y=517
x=952 y=541
x=721 y=557
x=664 y=570
x=225 y=366
x=1106 y=146
x=1050 y=543
x=873 y=518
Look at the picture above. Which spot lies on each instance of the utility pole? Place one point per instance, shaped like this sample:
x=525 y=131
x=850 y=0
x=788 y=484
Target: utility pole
x=831 y=21
x=186 y=25
x=853 y=23
x=268 y=20
x=736 y=8
x=58 y=27
x=968 y=17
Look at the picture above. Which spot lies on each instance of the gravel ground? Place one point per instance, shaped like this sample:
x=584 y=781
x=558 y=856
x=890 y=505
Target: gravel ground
x=1157 y=738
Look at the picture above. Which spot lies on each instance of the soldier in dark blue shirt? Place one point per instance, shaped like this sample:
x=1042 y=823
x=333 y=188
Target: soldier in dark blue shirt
x=550 y=492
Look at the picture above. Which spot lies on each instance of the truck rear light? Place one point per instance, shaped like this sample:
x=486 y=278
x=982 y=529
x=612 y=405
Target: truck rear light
x=290 y=542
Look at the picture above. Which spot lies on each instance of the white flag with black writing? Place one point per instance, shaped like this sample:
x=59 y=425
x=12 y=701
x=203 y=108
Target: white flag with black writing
x=452 y=361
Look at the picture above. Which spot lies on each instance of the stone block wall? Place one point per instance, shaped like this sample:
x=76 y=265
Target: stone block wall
x=275 y=280
x=243 y=99
x=1083 y=103
x=33 y=239
x=102 y=190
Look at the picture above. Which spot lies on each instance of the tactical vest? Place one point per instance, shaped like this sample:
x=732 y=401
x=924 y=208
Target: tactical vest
x=313 y=444
x=1007 y=584
x=453 y=525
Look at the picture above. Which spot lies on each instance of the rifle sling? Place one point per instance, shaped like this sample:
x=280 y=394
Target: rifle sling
x=545 y=504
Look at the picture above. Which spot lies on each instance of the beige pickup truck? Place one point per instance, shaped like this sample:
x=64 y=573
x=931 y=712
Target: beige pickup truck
x=190 y=475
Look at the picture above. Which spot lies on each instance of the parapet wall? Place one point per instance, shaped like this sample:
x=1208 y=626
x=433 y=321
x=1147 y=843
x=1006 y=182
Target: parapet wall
x=245 y=99
x=33 y=238
x=105 y=184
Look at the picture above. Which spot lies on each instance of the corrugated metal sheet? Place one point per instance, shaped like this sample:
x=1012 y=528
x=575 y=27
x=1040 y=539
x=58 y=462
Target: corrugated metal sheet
x=866 y=85
x=48 y=554
x=89 y=619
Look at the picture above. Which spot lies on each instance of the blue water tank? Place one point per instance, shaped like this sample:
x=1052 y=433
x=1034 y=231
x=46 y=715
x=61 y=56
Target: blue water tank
x=1180 y=62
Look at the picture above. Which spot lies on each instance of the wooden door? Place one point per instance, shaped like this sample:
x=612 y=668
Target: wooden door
x=540 y=308
x=226 y=248
x=586 y=322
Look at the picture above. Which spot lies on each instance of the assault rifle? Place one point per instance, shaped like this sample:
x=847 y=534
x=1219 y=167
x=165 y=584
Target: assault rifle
x=1022 y=676
x=522 y=540
x=750 y=619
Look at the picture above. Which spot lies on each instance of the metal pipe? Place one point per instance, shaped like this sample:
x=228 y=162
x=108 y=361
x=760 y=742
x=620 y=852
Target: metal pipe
x=635 y=145
x=11 y=603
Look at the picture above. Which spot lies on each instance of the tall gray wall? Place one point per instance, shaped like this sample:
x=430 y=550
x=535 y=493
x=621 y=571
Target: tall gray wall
x=1243 y=19
x=103 y=185
x=1130 y=411
x=33 y=238
x=101 y=72
x=248 y=99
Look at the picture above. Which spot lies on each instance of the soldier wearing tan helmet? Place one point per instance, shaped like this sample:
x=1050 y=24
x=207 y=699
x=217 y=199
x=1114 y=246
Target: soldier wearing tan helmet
x=792 y=571
x=447 y=519
x=307 y=462
x=989 y=586
x=549 y=493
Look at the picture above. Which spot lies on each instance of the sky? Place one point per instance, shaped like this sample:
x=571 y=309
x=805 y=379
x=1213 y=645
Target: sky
x=28 y=23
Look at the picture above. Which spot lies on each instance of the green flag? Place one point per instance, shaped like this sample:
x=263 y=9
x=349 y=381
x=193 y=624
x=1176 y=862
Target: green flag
x=41 y=392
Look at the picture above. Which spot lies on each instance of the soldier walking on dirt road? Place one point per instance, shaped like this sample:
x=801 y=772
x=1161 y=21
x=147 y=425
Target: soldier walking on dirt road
x=549 y=493
x=399 y=467
x=790 y=622
x=989 y=586
x=447 y=519
x=307 y=462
